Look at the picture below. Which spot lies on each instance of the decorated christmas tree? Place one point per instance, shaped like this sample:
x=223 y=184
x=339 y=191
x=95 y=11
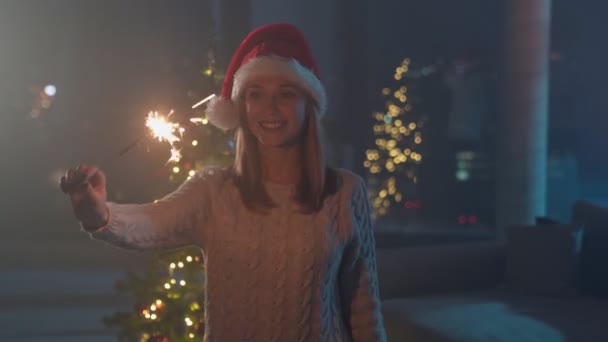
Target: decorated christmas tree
x=394 y=160
x=169 y=295
x=169 y=298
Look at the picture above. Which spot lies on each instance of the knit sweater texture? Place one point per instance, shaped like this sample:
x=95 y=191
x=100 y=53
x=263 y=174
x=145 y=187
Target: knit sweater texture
x=279 y=276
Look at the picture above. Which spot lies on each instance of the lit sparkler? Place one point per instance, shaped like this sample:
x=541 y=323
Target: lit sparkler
x=163 y=129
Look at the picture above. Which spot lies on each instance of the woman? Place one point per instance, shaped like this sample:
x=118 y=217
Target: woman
x=288 y=242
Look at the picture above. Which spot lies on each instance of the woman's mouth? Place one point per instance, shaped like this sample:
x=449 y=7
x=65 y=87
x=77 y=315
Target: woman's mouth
x=272 y=124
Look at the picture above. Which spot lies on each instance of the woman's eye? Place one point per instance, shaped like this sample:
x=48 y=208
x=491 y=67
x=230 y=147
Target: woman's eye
x=288 y=94
x=253 y=95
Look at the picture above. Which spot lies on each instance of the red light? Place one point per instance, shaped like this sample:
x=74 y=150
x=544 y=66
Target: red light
x=472 y=219
x=412 y=204
x=462 y=219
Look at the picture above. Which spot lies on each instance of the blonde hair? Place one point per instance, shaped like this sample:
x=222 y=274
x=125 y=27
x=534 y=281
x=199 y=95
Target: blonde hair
x=316 y=182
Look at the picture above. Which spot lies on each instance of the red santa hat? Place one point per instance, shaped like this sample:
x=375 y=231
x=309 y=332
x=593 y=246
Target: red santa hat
x=276 y=49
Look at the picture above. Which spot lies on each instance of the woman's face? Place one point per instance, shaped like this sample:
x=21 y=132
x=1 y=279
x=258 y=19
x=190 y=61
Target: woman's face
x=276 y=110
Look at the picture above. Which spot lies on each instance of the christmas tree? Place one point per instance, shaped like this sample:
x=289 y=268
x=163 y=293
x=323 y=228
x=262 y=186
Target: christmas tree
x=394 y=161
x=169 y=299
x=169 y=295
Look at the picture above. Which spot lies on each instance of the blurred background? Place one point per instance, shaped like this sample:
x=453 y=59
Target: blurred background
x=77 y=79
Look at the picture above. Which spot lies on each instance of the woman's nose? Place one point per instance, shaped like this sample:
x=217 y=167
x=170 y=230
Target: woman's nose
x=272 y=105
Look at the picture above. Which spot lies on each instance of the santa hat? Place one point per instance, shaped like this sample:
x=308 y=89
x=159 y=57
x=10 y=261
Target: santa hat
x=276 y=49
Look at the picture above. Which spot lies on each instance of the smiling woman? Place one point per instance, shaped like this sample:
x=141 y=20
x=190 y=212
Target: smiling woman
x=288 y=241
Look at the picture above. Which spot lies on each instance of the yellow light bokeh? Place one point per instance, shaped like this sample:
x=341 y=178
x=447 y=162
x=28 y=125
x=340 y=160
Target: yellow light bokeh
x=393 y=152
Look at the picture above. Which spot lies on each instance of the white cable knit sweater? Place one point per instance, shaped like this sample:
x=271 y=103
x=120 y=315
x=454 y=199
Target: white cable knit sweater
x=284 y=276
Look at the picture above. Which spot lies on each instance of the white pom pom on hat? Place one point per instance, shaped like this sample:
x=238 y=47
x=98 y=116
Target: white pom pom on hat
x=275 y=49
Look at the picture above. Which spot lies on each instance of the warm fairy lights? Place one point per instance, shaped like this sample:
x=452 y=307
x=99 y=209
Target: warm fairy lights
x=397 y=135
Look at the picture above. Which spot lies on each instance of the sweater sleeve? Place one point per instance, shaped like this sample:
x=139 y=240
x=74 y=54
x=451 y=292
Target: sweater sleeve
x=176 y=220
x=358 y=277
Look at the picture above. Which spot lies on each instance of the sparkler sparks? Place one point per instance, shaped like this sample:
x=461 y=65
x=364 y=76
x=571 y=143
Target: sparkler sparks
x=176 y=155
x=165 y=130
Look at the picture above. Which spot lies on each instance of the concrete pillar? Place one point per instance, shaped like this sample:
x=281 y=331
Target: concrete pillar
x=522 y=130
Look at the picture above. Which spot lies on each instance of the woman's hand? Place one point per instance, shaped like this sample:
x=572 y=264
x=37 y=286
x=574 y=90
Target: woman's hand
x=86 y=186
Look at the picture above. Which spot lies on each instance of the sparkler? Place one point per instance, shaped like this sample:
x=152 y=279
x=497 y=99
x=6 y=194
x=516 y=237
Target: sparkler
x=201 y=102
x=162 y=129
x=165 y=130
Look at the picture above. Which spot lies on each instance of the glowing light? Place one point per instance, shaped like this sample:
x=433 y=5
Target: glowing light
x=194 y=142
x=176 y=155
x=172 y=265
x=152 y=307
x=182 y=282
x=173 y=281
x=191 y=335
x=167 y=286
x=159 y=302
x=203 y=121
x=153 y=316
x=175 y=169
x=180 y=264
x=389 y=155
x=201 y=102
x=189 y=259
x=191 y=173
x=163 y=129
x=462 y=175
x=50 y=90
x=462 y=219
